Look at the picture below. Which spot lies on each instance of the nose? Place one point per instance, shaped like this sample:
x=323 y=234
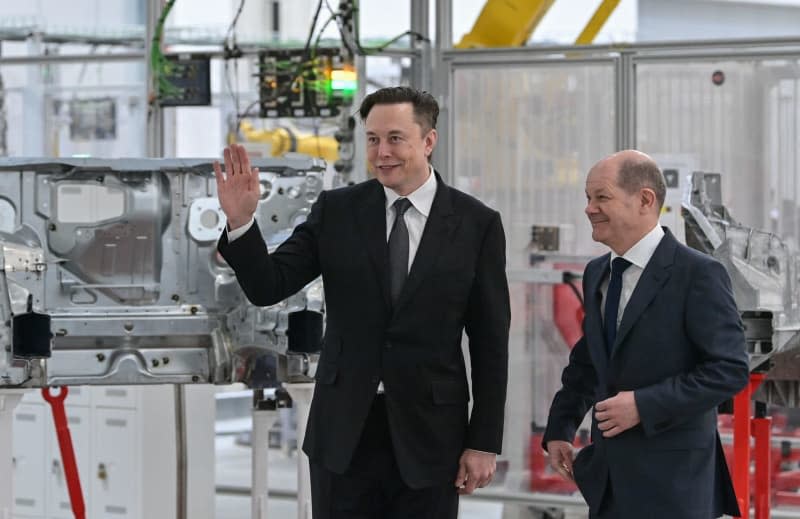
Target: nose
x=590 y=208
x=383 y=149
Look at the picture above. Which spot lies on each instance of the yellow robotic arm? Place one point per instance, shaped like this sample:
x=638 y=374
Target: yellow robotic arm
x=283 y=140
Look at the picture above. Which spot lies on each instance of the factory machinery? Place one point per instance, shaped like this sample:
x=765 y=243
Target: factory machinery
x=117 y=258
x=763 y=271
x=109 y=275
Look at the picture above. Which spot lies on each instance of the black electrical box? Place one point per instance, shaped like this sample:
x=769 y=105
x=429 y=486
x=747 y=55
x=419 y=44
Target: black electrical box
x=298 y=83
x=189 y=81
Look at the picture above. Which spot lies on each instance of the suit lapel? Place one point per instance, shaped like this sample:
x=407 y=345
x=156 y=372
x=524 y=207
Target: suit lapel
x=593 y=319
x=439 y=227
x=371 y=217
x=655 y=274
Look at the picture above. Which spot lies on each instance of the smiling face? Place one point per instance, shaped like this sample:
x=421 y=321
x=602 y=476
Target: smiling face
x=619 y=219
x=398 y=147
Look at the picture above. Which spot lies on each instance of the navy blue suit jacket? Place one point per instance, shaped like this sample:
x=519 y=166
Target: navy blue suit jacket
x=681 y=348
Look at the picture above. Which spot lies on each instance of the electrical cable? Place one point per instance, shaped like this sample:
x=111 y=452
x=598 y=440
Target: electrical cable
x=232 y=51
x=159 y=65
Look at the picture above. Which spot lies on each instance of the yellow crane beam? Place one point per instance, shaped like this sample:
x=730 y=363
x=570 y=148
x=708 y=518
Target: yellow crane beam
x=505 y=23
x=510 y=23
x=597 y=21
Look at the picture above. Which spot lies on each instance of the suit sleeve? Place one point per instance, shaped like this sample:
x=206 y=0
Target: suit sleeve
x=715 y=331
x=268 y=278
x=575 y=398
x=487 y=324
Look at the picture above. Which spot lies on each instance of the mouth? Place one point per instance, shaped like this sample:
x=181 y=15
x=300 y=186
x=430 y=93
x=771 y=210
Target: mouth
x=383 y=168
x=597 y=222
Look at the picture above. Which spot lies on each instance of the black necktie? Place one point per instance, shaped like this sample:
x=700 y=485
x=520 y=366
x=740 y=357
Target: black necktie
x=398 y=248
x=618 y=266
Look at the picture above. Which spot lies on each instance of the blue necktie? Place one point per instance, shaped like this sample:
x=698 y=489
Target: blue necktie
x=398 y=248
x=618 y=266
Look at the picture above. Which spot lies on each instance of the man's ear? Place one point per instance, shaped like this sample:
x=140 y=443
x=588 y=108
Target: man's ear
x=648 y=198
x=430 y=141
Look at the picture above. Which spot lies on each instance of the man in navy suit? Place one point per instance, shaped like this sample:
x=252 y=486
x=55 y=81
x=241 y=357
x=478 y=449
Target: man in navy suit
x=663 y=345
x=408 y=264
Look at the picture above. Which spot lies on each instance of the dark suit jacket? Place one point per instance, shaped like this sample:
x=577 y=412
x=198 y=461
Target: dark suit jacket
x=681 y=348
x=457 y=282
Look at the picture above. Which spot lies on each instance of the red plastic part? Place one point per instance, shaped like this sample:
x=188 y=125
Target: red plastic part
x=67 y=453
x=567 y=308
x=744 y=427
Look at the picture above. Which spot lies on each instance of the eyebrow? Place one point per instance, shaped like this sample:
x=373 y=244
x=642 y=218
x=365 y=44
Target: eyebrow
x=391 y=132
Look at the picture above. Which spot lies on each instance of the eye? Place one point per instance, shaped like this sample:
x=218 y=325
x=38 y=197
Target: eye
x=372 y=140
x=395 y=138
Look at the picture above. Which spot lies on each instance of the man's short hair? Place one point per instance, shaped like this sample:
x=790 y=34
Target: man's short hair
x=426 y=109
x=634 y=175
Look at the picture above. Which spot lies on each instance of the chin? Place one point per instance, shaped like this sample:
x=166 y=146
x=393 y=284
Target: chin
x=386 y=181
x=598 y=236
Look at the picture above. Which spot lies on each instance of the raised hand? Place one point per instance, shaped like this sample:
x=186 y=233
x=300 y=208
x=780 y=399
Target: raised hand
x=238 y=188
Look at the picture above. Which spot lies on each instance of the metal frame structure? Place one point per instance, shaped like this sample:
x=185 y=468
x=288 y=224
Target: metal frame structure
x=625 y=59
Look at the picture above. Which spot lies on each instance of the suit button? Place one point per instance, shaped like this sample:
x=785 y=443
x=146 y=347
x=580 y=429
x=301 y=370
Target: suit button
x=388 y=346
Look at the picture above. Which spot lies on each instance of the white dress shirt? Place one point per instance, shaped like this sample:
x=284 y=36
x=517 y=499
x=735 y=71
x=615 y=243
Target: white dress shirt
x=415 y=217
x=639 y=255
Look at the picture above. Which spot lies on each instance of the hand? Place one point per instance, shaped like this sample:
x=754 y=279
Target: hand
x=617 y=414
x=475 y=470
x=238 y=190
x=561 y=454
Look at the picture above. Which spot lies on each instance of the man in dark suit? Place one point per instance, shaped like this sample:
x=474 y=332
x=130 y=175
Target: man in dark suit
x=663 y=346
x=408 y=264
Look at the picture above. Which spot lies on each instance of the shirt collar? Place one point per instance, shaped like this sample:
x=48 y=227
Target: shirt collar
x=644 y=249
x=421 y=198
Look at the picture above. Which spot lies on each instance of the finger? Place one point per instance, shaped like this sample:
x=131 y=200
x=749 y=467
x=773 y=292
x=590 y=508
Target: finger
x=566 y=474
x=610 y=433
x=601 y=406
x=605 y=425
x=470 y=485
x=244 y=160
x=461 y=477
x=253 y=184
x=218 y=174
x=228 y=156
x=556 y=458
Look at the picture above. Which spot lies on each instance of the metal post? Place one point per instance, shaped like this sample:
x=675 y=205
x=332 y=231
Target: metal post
x=301 y=394
x=443 y=157
x=33 y=144
x=359 y=173
x=154 y=128
x=9 y=398
x=625 y=113
x=180 y=452
x=264 y=416
x=420 y=23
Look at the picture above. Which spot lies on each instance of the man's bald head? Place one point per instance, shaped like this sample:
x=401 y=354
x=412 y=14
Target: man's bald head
x=637 y=170
x=624 y=195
